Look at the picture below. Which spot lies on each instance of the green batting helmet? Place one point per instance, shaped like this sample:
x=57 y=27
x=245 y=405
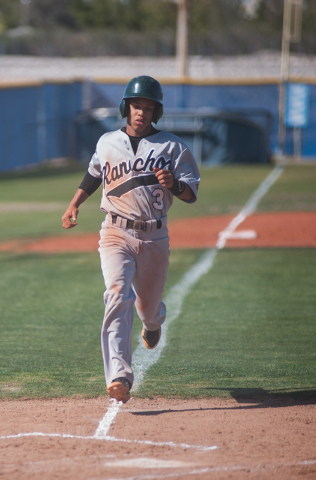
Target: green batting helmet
x=144 y=87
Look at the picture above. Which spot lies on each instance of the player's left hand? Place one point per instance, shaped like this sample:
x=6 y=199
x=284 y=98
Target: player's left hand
x=165 y=177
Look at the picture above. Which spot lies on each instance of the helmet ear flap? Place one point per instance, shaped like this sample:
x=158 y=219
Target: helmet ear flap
x=124 y=107
x=158 y=112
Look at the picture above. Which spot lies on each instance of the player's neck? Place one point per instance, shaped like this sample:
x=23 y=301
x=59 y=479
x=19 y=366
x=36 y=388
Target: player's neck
x=152 y=131
x=139 y=134
x=135 y=140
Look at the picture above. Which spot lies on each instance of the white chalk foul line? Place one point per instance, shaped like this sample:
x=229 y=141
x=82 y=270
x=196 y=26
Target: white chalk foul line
x=143 y=358
x=108 y=419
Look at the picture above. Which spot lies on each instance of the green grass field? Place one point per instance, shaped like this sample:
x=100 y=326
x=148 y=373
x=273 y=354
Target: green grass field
x=247 y=328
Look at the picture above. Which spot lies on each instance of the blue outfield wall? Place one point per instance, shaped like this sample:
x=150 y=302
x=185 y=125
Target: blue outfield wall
x=234 y=98
x=37 y=123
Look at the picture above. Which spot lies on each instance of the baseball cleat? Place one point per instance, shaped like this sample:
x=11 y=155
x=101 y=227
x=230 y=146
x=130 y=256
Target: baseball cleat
x=119 y=389
x=151 y=339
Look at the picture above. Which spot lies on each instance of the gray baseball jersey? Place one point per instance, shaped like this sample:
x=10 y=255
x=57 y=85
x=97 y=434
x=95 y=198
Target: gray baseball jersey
x=131 y=188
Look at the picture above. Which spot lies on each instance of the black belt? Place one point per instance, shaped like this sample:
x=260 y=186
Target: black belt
x=135 y=224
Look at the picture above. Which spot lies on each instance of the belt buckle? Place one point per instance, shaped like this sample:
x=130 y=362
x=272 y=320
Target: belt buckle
x=139 y=225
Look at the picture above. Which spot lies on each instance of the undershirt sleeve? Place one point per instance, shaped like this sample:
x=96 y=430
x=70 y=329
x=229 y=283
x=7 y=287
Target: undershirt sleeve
x=90 y=183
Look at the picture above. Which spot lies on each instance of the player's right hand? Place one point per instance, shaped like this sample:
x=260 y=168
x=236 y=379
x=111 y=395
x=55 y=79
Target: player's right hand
x=69 y=219
x=164 y=176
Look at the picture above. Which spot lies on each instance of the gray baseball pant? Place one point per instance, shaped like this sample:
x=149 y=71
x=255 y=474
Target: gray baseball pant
x=134 y=266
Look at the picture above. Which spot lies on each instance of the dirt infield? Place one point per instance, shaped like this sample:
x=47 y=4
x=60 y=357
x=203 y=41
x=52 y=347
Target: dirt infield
x=289 y=229
x=258 y=438
x=200 y=439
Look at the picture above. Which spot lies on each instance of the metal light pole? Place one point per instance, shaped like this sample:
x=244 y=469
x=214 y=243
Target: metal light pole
x=292 y=19
x=25 y=12
x=182 y=39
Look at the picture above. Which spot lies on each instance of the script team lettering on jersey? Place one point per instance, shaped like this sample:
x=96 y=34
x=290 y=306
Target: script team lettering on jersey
x=130 y=186
x=139 y=165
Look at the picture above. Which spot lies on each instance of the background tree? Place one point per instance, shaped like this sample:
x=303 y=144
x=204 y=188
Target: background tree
x=9 y=14
x=216 y=27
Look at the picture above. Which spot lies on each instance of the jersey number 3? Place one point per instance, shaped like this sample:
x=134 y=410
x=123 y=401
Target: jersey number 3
x=158 y=193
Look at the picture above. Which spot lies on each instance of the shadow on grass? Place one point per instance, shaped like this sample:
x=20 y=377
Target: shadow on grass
x=254 y=398
x=280 y=397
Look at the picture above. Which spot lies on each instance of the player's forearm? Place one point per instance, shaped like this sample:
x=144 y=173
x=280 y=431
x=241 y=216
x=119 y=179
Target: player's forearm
x=79 y=197
x=181 y=190
x=69 y=219
x=187 y=193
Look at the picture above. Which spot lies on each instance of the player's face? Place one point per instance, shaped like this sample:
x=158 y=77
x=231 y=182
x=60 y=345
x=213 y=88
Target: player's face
x=140 y=116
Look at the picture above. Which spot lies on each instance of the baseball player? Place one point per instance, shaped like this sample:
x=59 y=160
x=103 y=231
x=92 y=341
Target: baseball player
x=141 y=169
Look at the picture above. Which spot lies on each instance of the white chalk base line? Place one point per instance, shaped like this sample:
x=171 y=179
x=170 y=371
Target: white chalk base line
x=108 y=438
